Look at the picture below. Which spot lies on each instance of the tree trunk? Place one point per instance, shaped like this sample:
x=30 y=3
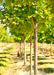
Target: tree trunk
x=20 y=50
x=51 y=48
x=24 y=51
x=43 y=47
x=31 y=54
x=35 y=50
x=20 y=46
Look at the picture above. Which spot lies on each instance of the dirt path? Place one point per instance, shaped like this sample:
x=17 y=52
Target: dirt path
x=17 y=66
x=5 y=46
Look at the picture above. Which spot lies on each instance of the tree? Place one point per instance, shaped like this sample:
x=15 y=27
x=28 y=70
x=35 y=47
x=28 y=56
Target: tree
x=30 y=14
x=31 y=53
x=4 y=35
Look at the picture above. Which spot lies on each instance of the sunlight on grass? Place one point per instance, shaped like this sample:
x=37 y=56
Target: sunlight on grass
x=5 y=59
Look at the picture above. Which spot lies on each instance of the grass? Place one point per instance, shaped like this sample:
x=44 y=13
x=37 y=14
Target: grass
x=5 y=59
x=46 y=65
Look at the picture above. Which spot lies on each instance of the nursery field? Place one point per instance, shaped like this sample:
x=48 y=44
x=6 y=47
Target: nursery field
x=11 y=64
x=26 y=37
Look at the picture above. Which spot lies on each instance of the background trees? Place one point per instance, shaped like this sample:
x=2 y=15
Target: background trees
x=4 y=35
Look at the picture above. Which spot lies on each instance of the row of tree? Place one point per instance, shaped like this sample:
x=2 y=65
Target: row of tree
x=46 y=36
x=25 y=17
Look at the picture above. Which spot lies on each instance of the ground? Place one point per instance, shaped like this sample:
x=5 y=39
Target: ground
x=17 y=67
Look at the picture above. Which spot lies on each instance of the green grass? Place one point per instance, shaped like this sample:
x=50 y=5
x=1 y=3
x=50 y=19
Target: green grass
x=45 y=65
x=5 y=60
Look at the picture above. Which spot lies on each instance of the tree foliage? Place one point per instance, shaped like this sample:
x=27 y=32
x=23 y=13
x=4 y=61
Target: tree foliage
x=4 y=35
x=19 y=15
